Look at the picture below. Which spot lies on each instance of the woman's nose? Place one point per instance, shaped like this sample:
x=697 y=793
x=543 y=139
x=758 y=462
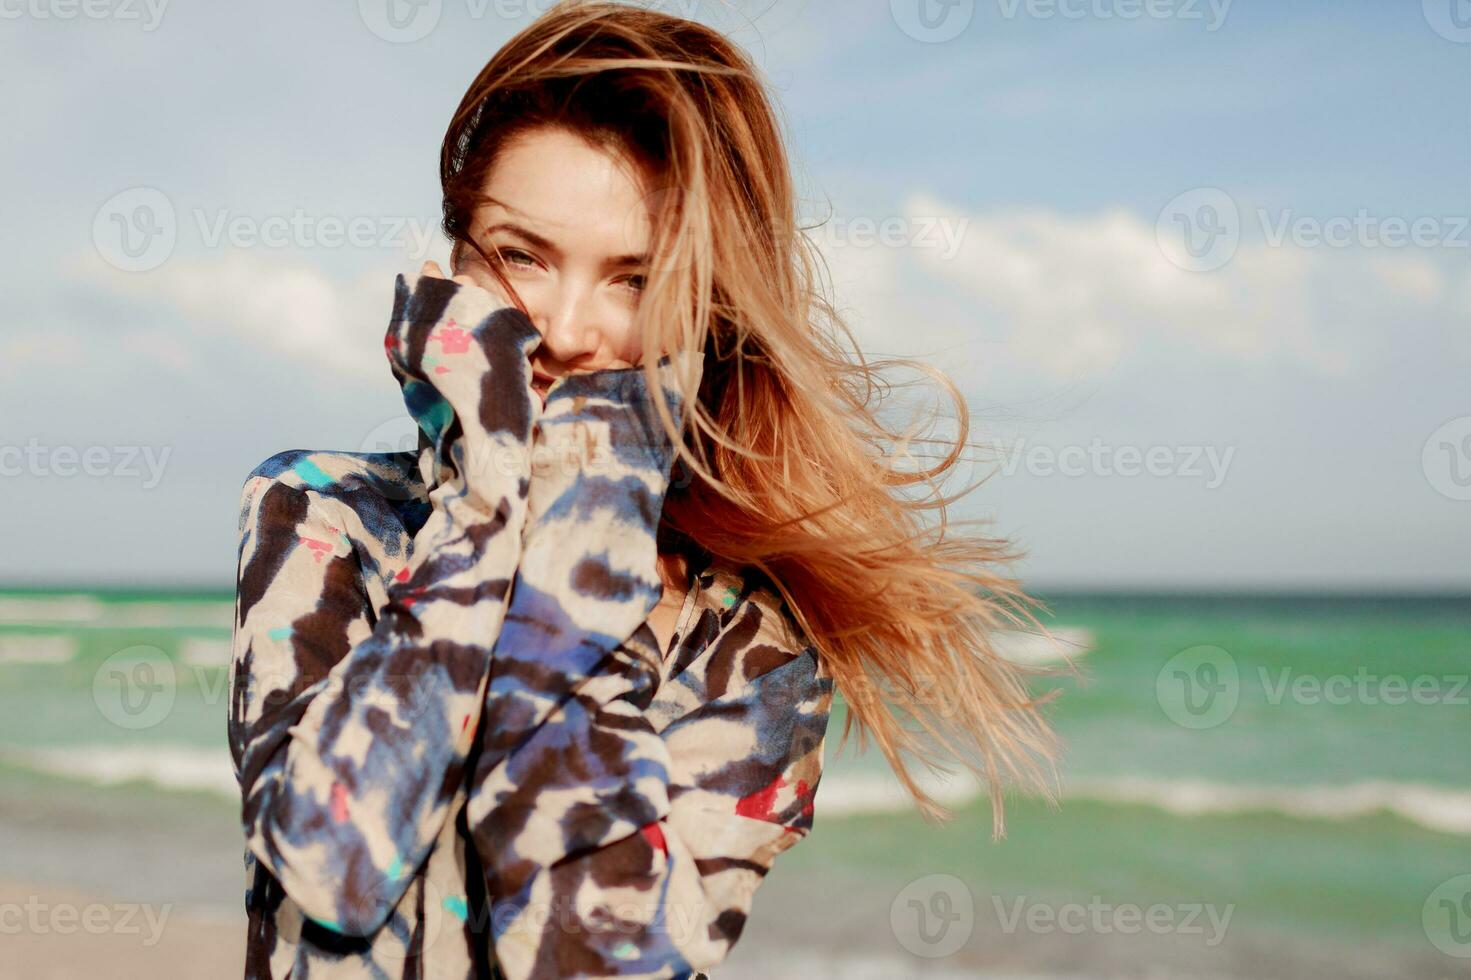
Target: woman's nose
x=568 y=331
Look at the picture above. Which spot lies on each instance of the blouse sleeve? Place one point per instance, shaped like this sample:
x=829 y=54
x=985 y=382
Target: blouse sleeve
x=349 y=726
x=614 y=843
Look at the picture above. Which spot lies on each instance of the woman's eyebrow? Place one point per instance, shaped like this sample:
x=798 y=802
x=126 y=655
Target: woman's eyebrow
x=530 y=236
x=630 y=261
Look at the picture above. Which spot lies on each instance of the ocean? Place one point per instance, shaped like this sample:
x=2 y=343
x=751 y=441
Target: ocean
x=1253 y=786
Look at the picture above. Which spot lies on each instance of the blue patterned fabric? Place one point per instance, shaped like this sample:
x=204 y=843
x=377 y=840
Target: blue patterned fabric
x=461 y=752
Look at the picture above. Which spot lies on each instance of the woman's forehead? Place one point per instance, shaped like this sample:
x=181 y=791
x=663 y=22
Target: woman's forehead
x=579 y=196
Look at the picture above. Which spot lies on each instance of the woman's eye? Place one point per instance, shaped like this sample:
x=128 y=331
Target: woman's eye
x=635 y=282
x=516 y=257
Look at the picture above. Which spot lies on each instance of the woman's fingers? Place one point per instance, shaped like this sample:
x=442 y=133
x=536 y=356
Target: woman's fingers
x=472 y=278
x=431 y=268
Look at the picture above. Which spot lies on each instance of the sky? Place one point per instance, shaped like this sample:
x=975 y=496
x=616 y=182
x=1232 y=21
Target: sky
x=1201 y=270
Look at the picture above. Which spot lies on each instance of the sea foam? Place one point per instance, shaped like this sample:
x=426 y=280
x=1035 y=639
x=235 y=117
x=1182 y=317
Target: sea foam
x=845 y=793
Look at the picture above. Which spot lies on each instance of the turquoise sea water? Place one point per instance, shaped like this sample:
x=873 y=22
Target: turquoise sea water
x=1304 y=762
x=1328 y=804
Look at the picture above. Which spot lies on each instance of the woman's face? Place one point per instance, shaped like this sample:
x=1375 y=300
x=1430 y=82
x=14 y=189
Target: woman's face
x=572 y=227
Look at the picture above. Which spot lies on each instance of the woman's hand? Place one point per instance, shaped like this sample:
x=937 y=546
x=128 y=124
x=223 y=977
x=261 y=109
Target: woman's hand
x=463 y=358
x=431 y=268
x=349 y=747
x=472 y=269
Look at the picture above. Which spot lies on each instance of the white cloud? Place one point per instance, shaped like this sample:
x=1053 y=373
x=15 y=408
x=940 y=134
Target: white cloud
x=288 y=311
x=25 y=353
x=162 y=348
x=1068 y=296
x=1410 y=276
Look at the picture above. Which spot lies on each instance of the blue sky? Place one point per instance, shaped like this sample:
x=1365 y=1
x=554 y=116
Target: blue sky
x=1282 y=404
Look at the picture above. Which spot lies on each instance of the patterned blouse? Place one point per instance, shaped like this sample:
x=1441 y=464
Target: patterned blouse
x=460 y=749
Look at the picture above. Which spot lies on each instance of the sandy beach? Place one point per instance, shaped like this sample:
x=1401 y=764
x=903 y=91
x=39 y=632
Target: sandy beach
x=57 y=934
x=125 y=883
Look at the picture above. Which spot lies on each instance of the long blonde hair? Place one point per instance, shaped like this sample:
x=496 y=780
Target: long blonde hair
x=790 y=468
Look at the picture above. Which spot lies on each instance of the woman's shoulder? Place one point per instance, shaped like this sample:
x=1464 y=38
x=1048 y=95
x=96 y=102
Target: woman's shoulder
x=742 y=637
x=750 y=605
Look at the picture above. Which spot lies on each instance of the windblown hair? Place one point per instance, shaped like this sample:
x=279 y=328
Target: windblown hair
x=790 y=467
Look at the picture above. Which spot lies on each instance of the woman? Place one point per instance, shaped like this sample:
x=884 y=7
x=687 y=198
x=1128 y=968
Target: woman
x=532 y=700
